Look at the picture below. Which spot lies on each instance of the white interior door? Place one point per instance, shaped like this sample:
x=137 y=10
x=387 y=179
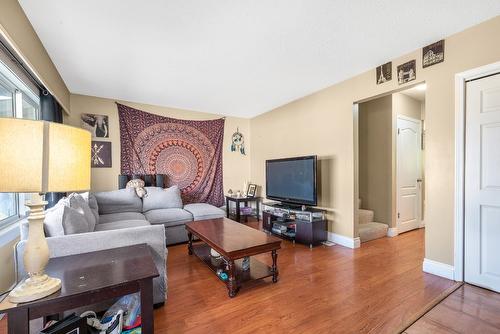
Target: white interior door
x=482 y=183
x=408 y=173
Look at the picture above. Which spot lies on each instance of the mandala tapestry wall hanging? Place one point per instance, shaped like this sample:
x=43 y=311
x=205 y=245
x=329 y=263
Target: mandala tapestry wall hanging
x=188 y=152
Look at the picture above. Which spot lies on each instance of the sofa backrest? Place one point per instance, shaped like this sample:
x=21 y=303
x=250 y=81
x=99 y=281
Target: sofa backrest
x=123 y=200
x=160 y=198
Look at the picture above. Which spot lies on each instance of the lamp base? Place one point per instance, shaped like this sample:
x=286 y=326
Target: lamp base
x=33 y=288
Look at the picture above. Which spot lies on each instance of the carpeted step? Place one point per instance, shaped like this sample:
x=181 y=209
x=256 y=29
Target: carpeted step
x=372 y=231
x=365 y=216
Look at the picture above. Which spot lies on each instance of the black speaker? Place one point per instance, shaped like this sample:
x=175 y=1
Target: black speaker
x=148 y=180
x=122 y=181
x=160 y=180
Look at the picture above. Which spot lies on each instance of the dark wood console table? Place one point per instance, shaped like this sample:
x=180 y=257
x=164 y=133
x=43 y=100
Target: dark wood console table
x=88 y=279
x=237 y=213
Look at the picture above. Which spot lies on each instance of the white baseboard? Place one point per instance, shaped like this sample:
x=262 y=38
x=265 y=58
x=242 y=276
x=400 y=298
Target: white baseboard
x=392 y=232
x=422 y=224
x=343 y=240
x=438 y=269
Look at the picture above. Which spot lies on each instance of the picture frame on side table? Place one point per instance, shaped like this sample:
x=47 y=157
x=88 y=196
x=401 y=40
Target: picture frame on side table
x=251 y=190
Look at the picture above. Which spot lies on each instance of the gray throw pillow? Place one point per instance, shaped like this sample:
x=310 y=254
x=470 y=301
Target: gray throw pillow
x=61 y=220
x=78 y=202
x=123 y=200
x=159 y=198
x=92 y=202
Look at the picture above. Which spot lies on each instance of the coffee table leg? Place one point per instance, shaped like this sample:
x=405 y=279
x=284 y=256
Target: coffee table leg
x=274 y=268
x=146 y=287
x=190 y=243
x=231 y=283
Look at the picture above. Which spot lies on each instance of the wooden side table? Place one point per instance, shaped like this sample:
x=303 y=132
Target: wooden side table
x=245 y=200
x=88 y=279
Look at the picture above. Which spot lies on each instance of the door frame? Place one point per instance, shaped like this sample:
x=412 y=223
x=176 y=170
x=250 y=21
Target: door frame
x=460 y=82
x=396 y=174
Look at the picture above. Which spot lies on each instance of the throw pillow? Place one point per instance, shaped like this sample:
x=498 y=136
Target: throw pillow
x=92 y=202
x=61 y=220
x=159 y=198
x=78 y=202
x=123 y=200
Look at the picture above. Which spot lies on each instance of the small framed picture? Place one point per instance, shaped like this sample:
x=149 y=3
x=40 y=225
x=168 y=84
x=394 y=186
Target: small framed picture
x=407 y=72
x=252 y=189
x=384 y=73
x=101 y=154
x=98 y=125
x=433 y=54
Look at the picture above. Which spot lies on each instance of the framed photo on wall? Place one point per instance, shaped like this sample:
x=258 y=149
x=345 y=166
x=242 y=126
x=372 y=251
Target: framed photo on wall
x=407 y=72
x=101 y=154
x=433 y=54
x=384 y=73
x=98 y=125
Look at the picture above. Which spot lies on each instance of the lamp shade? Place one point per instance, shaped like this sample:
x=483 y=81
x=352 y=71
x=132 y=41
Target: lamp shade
x=40 y=157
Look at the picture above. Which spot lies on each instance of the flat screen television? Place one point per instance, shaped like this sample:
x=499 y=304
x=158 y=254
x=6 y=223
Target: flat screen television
x=292 y=180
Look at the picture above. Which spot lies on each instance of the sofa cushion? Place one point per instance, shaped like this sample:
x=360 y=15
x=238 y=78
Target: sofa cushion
x=168 y=217
x=123 y=200
x=78 y=202
x=201 y=211
x=117 y=225
x=92 y=202
x=120 y=216
x=159 y=198
x=62 y=219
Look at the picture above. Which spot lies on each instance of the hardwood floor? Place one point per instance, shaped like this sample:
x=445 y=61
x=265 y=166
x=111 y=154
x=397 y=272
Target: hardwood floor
x=374 y=289
x=467 y=310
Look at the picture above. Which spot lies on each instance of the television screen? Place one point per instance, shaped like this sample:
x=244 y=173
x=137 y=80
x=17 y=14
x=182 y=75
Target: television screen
x=292 y=180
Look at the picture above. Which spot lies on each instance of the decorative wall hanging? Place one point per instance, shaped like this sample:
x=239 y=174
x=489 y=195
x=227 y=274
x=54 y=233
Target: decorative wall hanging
x=188 y=152
x=238 y=142
x=101 y=154
x=98 y=125
x=407 y=72
x=384 y=73
x=433 y=54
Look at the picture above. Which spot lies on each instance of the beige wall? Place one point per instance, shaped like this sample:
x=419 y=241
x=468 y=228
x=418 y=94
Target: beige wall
x=236 y=166
x=406 y=106
x=322 y=123
x=16 y=28
x=375 y=157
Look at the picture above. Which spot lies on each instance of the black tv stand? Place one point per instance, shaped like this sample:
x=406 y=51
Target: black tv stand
x=307 y=227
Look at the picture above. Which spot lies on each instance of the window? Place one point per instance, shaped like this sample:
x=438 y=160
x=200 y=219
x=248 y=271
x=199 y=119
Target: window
x=16 y=100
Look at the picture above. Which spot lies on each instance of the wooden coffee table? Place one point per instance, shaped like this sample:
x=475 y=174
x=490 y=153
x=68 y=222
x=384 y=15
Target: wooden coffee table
x=233 y=241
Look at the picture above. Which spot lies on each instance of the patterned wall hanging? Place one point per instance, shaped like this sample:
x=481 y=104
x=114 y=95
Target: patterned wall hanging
x=238 y=142
x=188 y=152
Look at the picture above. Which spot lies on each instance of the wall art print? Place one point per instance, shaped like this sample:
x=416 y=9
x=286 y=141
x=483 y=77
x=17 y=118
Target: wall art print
x=384 y=73
x=98 y=125
x=188 y=152
x=433 y=54
x=100 y=154
x=407 y=72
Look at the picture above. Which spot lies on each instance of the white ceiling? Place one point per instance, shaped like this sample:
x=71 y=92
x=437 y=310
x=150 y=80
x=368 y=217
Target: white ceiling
x=234 y=57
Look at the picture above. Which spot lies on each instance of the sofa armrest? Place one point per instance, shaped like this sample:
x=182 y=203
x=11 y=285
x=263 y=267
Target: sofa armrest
x=153 y=235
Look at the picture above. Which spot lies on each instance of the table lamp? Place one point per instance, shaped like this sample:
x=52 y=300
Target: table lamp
x=39 y=157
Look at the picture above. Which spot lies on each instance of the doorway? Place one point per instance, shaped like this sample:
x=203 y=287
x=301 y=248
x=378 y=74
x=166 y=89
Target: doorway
x=390 y=173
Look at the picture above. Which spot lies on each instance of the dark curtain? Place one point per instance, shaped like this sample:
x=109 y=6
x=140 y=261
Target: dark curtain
x=51 y=111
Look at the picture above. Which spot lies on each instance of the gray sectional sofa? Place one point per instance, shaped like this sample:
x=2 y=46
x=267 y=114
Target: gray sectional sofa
x=82 y=223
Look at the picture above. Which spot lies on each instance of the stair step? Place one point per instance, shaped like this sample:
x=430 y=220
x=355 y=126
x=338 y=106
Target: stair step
x=365 y=216
x=372 y=231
